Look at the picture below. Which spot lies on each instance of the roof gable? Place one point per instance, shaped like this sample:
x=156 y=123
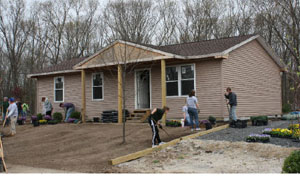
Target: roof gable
x=122 y=52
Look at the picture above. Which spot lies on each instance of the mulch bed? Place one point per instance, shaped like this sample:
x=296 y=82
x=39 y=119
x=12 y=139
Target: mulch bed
x=234 y=134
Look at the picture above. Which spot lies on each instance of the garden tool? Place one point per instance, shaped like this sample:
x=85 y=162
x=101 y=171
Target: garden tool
x=165 y=131
x=4 y=122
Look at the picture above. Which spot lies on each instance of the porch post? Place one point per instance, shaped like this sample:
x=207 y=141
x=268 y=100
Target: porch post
x=120 y=95
x=83 y=96
x=163 y=88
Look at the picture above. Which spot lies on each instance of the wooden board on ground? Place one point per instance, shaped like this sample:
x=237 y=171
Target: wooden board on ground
x=144 y=152
x=2 y=156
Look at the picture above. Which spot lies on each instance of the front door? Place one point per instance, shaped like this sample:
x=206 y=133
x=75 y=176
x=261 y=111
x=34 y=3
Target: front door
x=142 y=79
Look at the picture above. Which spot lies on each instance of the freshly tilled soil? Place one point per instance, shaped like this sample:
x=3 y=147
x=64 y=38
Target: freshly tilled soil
x=78 y=148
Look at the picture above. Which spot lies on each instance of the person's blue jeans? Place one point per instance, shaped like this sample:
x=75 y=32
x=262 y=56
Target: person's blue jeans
x=69 y=112
x=188 y=120
x=23 y=113
x=193 y=112
x=233 y=113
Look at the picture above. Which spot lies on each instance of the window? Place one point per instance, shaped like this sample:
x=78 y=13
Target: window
x=59 y=89
x=180 y=80
x=97 y=86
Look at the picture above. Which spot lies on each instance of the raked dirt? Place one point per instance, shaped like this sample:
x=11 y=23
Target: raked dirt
x=208 y=156
x=76 y=148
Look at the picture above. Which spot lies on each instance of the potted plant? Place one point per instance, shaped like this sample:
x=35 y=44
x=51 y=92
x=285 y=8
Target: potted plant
x=212 y=120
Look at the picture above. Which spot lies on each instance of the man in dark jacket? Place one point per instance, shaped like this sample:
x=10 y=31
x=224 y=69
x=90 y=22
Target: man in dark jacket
x=232 y=101
x=154 y=118
x=70 y=108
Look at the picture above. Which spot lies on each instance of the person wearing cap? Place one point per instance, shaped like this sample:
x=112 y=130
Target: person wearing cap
x=13 y=115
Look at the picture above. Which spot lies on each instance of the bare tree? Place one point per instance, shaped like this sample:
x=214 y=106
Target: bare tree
x=14 y=32
x=131 y=20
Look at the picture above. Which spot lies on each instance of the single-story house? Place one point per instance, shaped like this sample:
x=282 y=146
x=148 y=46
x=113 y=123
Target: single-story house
x=164 y=75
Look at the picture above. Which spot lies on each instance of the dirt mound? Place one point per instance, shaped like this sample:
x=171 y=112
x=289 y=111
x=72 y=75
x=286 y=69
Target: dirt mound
x=208 y=156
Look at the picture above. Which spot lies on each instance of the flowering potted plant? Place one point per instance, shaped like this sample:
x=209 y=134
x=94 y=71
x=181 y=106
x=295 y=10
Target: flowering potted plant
x=258 y=138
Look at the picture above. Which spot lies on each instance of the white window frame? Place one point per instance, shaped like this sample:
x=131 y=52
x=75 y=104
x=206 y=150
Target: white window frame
x=178 y=68
x=92 y=84
x=63 y=89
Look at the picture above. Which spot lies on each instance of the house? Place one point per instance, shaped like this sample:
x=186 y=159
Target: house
x=164 y=75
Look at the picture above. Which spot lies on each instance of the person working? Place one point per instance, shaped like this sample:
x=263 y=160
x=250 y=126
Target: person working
x=70 y=108
x=47 y=106
x=186 y=116
x=5 y=105
x=232 y=101
x=19 y=105
x=154 y=118
x=193 y=109
x=12 y=115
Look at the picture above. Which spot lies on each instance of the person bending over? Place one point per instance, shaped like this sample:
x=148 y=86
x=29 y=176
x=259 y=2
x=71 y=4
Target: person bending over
x=70 y=108
x=154 y=118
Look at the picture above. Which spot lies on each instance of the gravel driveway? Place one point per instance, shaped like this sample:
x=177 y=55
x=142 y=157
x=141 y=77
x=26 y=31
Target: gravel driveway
x=235 y=134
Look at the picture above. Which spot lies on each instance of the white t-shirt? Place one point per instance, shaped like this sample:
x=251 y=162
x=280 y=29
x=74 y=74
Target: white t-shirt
x=13 y=110
x=185 y=110
x=191 y=102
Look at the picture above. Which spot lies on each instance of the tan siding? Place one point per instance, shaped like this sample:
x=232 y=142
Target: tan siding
x=95 y=108
x=208 y=83
x=255 y=78
x=72 y=91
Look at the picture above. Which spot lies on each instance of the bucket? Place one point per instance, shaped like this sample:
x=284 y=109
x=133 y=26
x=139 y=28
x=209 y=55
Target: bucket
x=182 y=122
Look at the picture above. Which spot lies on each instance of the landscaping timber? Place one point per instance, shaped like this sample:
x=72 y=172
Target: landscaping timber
x=142 y=153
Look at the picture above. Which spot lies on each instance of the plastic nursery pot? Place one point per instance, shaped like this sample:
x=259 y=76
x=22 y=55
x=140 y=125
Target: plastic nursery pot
x=35 y=123
x=96 y=119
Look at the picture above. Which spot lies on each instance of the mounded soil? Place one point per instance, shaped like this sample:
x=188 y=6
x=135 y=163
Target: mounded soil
x=209 y=156
x=78 y=148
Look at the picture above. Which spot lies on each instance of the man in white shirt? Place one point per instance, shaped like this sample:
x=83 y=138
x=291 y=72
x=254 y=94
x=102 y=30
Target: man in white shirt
x=13 y=115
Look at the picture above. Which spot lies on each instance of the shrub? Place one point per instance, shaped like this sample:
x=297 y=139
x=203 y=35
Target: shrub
x=286 y=108
x=292 y=163
x=173 y=123
x=259 y=120
x=39 y=116
x=58 y=116
x=212 y=120
x=75 y=115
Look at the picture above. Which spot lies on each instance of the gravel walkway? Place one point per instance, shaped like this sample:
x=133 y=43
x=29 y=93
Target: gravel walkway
x=235 y=134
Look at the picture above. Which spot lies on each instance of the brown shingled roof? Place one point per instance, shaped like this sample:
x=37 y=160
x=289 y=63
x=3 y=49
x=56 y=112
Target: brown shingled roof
x=63 y=66
x=202 y=47
x=184 y=49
